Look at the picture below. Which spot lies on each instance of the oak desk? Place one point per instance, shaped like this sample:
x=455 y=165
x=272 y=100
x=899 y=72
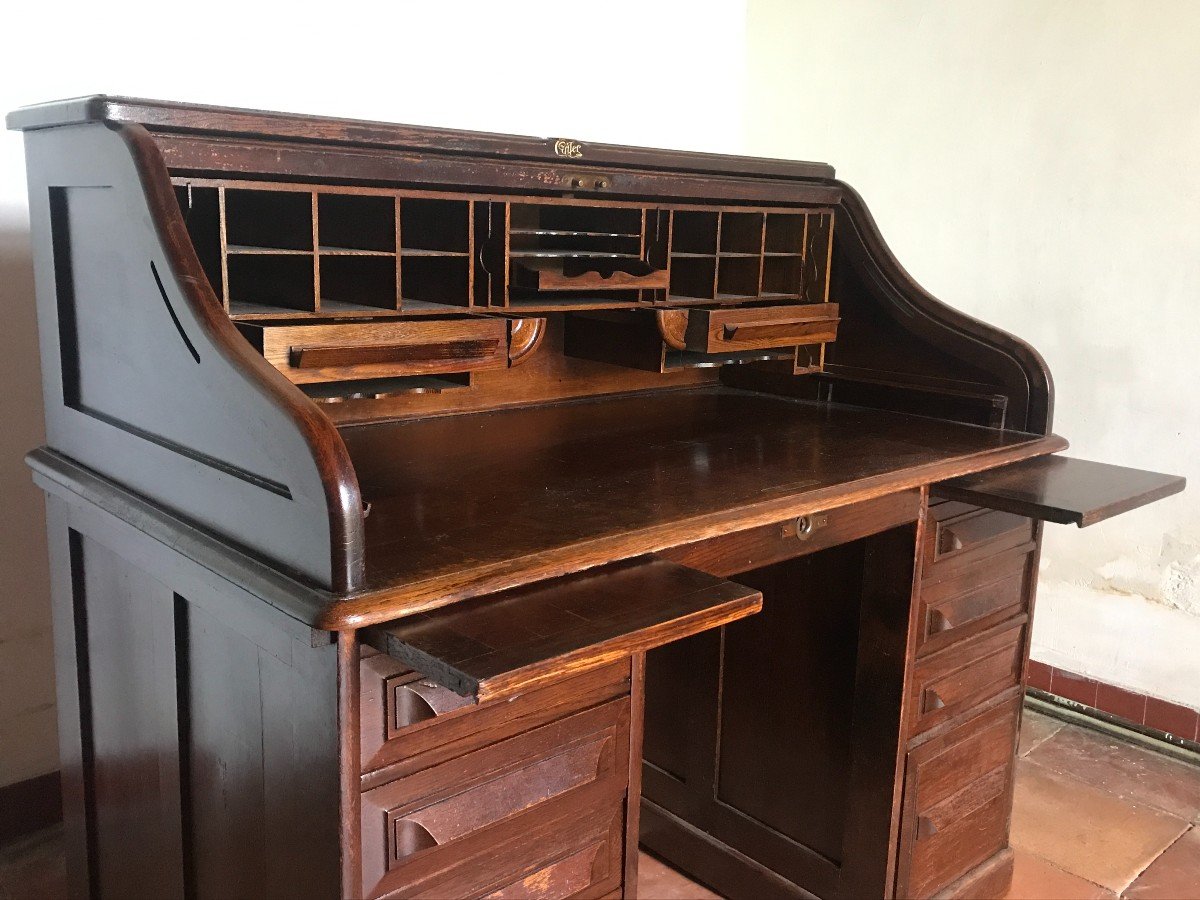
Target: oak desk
x=437 y=514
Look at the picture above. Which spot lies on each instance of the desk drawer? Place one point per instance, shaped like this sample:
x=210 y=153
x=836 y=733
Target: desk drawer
x=957 y=791
x=408 y=724
x=309 y=354
x=961 y=534
x=953 y=680
x=577 y=855
x=730 y=329
x=966 y=602
x=446 y=812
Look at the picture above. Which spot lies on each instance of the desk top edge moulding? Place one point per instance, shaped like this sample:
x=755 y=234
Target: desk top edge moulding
x=515 y=499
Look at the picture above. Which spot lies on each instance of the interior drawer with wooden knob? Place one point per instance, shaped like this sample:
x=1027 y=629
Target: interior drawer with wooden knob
x=956 y=800
x=734 y=328
x=950 y=682
x=309 y=354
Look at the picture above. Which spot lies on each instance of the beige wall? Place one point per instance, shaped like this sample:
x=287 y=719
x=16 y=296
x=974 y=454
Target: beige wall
x=626 y=71
x=1034 y=163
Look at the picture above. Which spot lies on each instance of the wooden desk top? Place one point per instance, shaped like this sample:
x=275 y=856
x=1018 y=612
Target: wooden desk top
x=463 y=505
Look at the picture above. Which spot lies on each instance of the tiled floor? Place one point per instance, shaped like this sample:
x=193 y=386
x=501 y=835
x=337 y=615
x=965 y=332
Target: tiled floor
x=1094 y=818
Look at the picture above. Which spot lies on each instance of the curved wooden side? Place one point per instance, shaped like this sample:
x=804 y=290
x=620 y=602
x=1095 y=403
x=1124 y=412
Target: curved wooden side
x=147 y=381
x=946 y=345
x=525 y=336
x=329 y=451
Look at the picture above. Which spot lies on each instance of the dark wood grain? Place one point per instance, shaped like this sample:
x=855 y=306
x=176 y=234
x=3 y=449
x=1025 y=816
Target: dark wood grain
x=957 y=791
x=633 y=791
x=1063 y=489
x=532 y=363
x=753 y=548
x=349 y=718
x=390 y=749
x=685 y=466
x=503 y=645
x=787 y=809
x=165 y=116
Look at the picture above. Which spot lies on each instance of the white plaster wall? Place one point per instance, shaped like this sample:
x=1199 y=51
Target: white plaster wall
x=1036 y=163
x=627 y=72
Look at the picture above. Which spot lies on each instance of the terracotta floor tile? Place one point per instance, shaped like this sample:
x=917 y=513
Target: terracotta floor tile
x=1036 y=728
x=1086 y=830
x=1130 y=772
x=657 y=881
x=1036 y=879
x=1174 y=875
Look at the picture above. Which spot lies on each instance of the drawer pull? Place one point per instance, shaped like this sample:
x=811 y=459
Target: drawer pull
x=931 y=700
x=926 y=827
x=939 y=621
x=975 y=529
x=380 y=354
x=733 y=327
x=418 y=701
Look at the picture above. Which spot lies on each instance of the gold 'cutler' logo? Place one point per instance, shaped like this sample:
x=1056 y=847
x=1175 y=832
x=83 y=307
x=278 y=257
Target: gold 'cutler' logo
x=569 y=149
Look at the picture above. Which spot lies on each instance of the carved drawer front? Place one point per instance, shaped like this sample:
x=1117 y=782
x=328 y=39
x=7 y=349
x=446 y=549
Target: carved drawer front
x=950 y=682
x=967 y=601
x=961 y=534
x=578 y=855
x=589 y=870
x=957 y=791
x=451 y=811
x=408 y=723
x=308 y=354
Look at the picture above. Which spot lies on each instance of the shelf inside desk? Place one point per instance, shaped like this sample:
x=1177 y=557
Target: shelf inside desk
x=465 y=504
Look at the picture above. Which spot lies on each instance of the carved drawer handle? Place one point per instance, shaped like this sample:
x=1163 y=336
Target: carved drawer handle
x=949 y=541
x=939 y=621
x=733 y=327
x=376 y=354
x=931 y=700
x=925 y=827
x=418 y=701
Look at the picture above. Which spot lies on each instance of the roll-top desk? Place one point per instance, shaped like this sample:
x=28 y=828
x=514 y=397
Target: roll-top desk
x=432 y=513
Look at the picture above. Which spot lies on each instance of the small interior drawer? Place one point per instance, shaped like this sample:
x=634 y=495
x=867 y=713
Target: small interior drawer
x=309 y=354
x=970 y=599
x=440 y=811
x=956 y=800
x=730 y=329
x=953 y=680
x=502 y=645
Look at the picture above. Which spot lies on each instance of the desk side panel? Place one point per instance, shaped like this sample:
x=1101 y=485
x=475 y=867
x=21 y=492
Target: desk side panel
x=146 y=380
x=200 y=752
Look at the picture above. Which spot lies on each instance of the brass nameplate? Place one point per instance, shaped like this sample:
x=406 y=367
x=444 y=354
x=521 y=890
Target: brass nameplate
x=569 y=149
